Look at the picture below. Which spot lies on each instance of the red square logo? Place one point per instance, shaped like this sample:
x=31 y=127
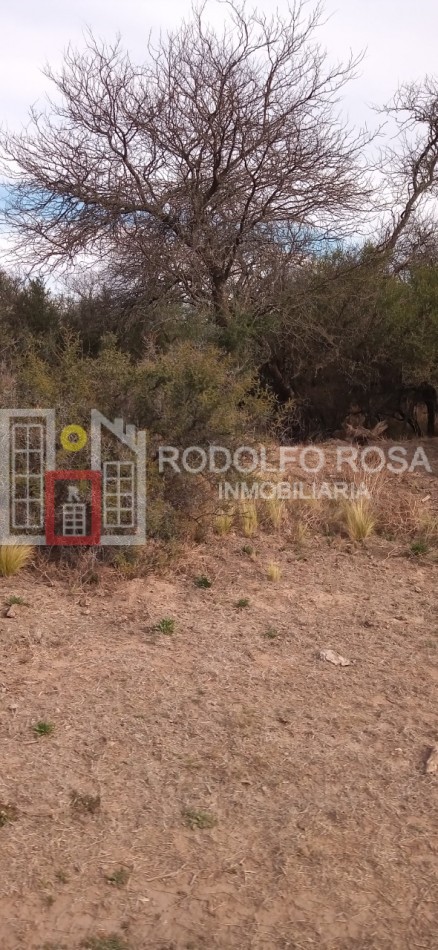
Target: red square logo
x=74 y=513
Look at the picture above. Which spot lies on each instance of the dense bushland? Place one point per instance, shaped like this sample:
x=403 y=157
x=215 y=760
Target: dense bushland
x=342 y=337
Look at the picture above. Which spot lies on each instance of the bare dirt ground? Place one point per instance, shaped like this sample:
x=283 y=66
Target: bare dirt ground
x=220 y=787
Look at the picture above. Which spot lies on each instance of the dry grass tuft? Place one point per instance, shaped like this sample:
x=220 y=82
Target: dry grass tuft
x=249 y=518
x=359 y=519
x=223 y=523
x=428 y=526
x=13 y=557
x=301 y=531
x=307 y=518
x=275 y=510
x=273 y=572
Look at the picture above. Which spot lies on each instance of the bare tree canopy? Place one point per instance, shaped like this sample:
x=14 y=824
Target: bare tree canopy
x=190 y=166
x=218 y=161
x=410 y=172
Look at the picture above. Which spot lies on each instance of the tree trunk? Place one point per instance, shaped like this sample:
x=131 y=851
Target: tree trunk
x=431 y=406
x=220 y=301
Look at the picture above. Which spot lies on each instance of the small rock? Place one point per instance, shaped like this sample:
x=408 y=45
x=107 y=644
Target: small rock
x=432 y=761
x=331 y=657
x=11 y=612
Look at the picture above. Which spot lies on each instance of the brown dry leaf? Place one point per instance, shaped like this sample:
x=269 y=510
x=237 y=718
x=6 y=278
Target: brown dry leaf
x=331 y=657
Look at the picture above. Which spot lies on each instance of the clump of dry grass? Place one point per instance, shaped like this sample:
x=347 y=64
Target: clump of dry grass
x=359 y=519
x=399 y=513
x=223 y=523
x=128 y=562
x=249 y=518
x=308 y=518
x=301 y=531
x=428 y=526
x=275 y=510
x=273 y=572
x=13 y=557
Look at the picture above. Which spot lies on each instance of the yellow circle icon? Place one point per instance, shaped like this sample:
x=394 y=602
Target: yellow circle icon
x=73 y=438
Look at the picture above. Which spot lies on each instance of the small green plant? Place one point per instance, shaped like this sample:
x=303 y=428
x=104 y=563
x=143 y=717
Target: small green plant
x=13 y=557
x=110 y=942
x=242 y=603
x=203 y=582
x=14 y=601
x=248 y=549
x=419 y=547
x=85 y=803
x=273 y=572
x=61 y=876
x=53 y=946
x=118 y=878
x=42 y=728
x=166 y=626
x=271 y=633
x=8 y=813
x=197 y=818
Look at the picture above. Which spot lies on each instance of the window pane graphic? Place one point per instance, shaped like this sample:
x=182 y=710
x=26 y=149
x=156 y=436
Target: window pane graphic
x=118 y=494
x=27 y=471
x=74 y=520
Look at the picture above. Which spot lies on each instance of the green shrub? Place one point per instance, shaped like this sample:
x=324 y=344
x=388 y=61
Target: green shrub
x=199 y=396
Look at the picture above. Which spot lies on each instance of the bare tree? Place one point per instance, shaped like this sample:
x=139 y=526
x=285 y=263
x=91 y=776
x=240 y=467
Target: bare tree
x=410 y=174
x=187 y=169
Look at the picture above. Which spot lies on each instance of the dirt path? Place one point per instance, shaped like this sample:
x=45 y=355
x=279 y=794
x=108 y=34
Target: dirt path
x=323 y=823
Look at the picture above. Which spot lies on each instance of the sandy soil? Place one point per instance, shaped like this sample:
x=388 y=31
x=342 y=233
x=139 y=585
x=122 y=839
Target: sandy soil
x=218 y=787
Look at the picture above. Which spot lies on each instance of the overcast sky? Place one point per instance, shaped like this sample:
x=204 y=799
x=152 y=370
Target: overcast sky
x=400 y=37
